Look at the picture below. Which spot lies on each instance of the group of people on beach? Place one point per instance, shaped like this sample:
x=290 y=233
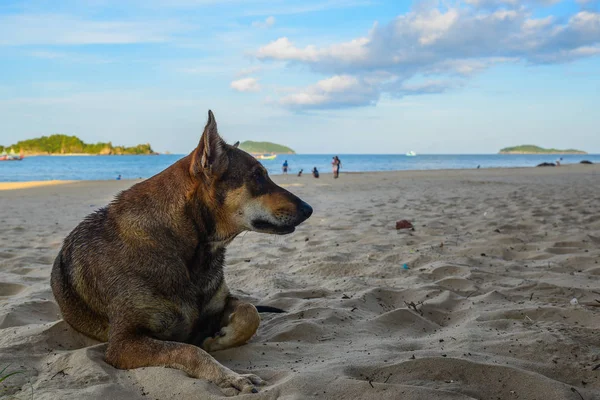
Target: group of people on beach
x=336 y=164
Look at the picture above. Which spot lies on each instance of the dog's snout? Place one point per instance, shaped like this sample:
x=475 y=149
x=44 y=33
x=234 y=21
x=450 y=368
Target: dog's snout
x=305 y=210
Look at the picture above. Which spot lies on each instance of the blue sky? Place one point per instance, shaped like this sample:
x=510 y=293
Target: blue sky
x=327 y=76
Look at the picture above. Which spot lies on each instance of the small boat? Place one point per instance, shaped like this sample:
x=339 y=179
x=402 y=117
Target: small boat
x=12 y=156
x=265 y=157
x=411 y=154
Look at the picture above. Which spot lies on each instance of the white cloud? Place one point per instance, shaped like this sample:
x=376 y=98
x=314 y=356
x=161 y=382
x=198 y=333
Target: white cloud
x=58 y=29
x=246 y=85
x=590 y=4
x=267 y=23
x=334 y=92
x=249 y=71
x=443 y=43
x=433 y=25
x=427 y=87
x=284 y=49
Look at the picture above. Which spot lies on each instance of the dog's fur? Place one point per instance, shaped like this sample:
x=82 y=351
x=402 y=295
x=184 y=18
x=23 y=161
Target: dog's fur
x=145 y=273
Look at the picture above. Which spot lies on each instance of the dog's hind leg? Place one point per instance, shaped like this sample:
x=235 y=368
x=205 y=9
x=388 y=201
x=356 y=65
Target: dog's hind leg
x=136 y=351
x=240 y=323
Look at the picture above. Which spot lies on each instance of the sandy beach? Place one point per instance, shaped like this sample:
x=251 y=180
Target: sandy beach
x=484 y=308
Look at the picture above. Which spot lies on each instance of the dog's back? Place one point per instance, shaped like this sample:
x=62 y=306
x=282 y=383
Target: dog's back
x=123 y=247
x=79 y=306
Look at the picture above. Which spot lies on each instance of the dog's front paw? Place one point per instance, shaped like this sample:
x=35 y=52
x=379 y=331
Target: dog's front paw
x=233 y=384
x=226 y=338
x=211 y=344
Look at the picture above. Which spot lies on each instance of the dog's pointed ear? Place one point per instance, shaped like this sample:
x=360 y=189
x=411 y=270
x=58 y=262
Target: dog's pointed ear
x=209 y=157
x=236 y=144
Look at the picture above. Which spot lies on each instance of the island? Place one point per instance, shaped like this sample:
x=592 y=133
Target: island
x=265 y=148
x=59 y=144
x=532 y=149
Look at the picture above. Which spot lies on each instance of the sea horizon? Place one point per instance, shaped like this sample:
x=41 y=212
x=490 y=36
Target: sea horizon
x=108 y=167
x=280 y=155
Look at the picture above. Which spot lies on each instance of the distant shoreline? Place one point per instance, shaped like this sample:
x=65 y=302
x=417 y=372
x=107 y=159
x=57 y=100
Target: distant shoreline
x=531 y=149
x=8 y=185
x=533 y=153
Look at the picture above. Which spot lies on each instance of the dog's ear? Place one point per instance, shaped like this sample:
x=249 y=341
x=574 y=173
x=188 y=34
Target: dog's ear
x=236 y=144
x=209 y=157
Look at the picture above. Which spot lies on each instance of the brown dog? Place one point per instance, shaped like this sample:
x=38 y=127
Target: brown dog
x=145 y=273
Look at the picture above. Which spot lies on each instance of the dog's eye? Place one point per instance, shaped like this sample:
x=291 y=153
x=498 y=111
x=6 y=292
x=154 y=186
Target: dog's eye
x=259 y=177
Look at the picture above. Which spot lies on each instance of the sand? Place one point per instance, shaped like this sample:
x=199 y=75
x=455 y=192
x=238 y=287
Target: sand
x=30 y=184
x=482 y=312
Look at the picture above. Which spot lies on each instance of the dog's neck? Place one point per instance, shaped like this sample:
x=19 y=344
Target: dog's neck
x=185 y=202
x=220 y=243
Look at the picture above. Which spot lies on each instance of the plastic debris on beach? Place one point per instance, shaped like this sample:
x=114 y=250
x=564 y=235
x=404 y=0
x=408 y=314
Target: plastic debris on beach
x=404 y=224
x=574 y=301
x=405 y=266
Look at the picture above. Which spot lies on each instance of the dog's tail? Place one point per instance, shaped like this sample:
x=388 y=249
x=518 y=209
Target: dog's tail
x=269 y=309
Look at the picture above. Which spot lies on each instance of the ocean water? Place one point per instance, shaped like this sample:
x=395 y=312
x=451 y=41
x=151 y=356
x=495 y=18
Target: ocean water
x=42 y=168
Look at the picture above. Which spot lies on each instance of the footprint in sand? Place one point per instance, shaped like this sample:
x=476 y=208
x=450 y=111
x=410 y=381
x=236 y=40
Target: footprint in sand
x=563 y=250
x=6 y=255
x=448 y=271
x=457 y=284
x=292 y=331
x=23 y=271
x=567 y=244
x=399 y=321
x=313 y=243
x=10 y=289
x=287 y=249
x=31 y=312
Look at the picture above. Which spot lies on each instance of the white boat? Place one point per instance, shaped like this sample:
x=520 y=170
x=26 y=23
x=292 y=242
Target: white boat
x=12 y=156
x=411 y=154
x=265 y=157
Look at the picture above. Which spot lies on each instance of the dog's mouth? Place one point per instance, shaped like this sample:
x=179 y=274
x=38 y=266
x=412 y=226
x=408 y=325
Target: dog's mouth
x=260 y=225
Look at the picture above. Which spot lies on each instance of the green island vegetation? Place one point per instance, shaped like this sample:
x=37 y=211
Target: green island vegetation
x=532 y=149
x=63 y=144
x=265 y=147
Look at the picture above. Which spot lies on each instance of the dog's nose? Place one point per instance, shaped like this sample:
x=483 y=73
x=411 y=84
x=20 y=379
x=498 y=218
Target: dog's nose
x=305 y=210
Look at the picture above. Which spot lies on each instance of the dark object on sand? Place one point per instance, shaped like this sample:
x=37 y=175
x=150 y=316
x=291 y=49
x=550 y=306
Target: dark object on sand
x=300 y=172
x=547 y=164
x=586 y=162
x=403 y=224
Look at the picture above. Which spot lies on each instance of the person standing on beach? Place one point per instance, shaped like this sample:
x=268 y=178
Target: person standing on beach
x=337 y=164
x=285 y=167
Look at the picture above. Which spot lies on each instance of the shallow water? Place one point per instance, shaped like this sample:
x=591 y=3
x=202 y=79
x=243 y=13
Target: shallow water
x=42 y=168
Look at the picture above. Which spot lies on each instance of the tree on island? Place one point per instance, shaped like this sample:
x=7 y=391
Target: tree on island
x=64 y=144
x=265 y=147
x=532 y=149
